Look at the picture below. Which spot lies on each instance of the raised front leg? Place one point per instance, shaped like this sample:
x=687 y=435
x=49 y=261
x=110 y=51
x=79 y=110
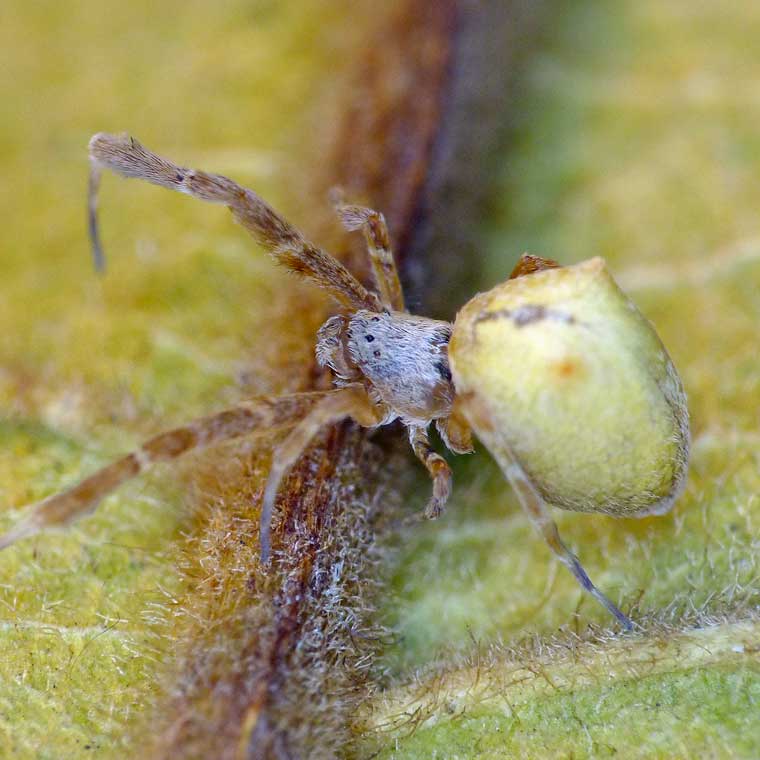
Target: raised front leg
x=125 y=156
x=245 y=419
x=372 y=223
x=439 y=471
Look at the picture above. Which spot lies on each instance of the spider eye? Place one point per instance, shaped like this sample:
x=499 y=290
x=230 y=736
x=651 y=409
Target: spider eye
x=369 y=338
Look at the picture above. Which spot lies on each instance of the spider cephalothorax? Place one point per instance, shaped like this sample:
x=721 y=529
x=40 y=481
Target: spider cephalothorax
x=557 y=372
x=401 y=359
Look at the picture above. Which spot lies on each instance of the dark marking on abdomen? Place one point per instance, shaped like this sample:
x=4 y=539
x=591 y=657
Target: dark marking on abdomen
x=528 y=314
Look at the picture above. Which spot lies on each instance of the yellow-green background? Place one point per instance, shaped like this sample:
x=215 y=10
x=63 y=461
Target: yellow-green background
x=179 y=326
x=636 y=138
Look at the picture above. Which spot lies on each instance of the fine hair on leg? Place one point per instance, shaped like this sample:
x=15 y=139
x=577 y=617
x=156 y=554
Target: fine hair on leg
x=244 y=419
x=437 y=467
x=372 y=223
x=350 y=401
x=125 y=156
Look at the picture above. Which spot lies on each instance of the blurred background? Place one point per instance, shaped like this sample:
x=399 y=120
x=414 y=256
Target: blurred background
x=622 y=129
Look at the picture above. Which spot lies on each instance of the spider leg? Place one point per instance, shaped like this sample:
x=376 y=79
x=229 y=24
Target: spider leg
x=538 y=512
x=436 y=465
x=64 y=507
x=125 y=156
x=455 y=431
x=528 y=264
x=350 y=401
x=372 y=223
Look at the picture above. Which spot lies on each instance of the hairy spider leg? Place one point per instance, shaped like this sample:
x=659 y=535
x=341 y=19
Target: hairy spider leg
x=455 y=430
x=538 y=512
x=349 y=401
x=372 y=223
x=244 y=419
x=124 y=155
x=436 y=465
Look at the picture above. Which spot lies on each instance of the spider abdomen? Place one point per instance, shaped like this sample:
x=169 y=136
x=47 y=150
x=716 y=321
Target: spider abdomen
x=560 y=371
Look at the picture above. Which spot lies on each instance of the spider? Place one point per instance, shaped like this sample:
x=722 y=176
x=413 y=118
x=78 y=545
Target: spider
x=556 y=371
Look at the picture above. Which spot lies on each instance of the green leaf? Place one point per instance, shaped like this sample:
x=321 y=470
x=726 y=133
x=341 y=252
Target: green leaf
x=634 y=140
x=89 y=366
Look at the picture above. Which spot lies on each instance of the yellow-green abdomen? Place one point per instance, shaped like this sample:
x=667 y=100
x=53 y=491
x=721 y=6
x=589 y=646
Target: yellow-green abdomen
x=559 y=370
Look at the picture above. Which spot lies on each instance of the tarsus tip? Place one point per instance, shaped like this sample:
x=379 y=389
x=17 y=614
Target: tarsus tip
x=98 y=259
